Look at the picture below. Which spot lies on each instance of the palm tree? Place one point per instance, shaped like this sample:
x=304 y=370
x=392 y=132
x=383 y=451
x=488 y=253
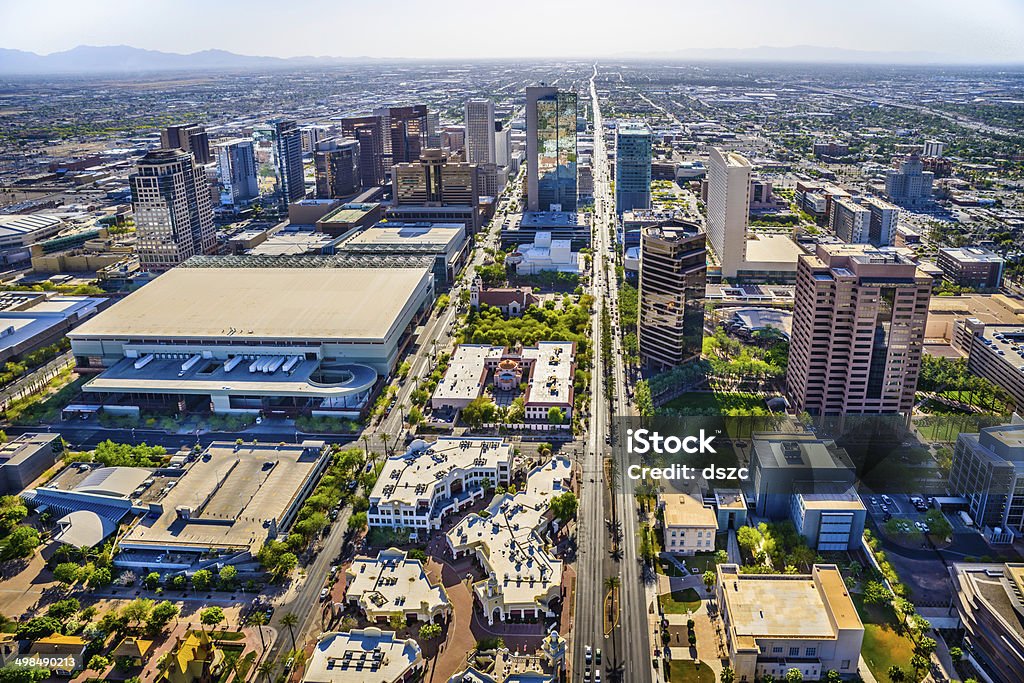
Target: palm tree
x=366 y=445
x=290 y=620
x=259 y=619
x=266 y=668
x=611 y=583
x=896 y=674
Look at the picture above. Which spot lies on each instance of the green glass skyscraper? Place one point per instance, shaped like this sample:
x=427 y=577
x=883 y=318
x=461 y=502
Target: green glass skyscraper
x=551 y=149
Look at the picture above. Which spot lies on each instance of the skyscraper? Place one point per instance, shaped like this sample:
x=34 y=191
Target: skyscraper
x=407 y=133
x=369 y=132
x=910 y=185
x=191 y=138
x=435 y=181
x=632 y=168
x=502 y=144
x=858 y=331
x=885 y=218
x=336 y=162
x=433 y=129
x=673 y=272
x=728 y=208
x=236 y=168
x=173 y=209
x=479 y=120
x=550 y=149
x=436 y=189
x=850 y=221
x=291 y=182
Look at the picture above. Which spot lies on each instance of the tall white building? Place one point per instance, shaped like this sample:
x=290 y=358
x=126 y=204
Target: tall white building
x=173 y=209
x=236 y=168
x=480 y=142
x=934 y=148
x=503 y=145
x=728 y=208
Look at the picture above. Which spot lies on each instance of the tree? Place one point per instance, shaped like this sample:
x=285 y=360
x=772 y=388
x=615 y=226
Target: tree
x=22 y=542
x=152 y=580
x=919 y=663
x=556 y=415
x=38 y=627
x=709 y=580
x=211 y=616
x=227 y=576
x=358 y=521
x=727 y=675
x=67 y=573
x=564 y=506
x=290 y=620
x=12 y=511
x=396 y=621
x=286 y=563
x=926 y=646
x=259 y=620
x=721 y=557
x=794 y=676
x=430 y=631
x=267 y=668
x=749 y=538
x=956 y=654
x=611 y=583
x=478 y=411
x=161 y=615
x=16 y=673
x=137 y=611
x=938 y=525
x=833 y=676
x=202 y=579
x=98 y=663
x=875 y=593
x=100 y=577
x=896 y=674
x=63 y=609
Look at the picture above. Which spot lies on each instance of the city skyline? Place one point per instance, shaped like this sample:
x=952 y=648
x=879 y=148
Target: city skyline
x=915 y=32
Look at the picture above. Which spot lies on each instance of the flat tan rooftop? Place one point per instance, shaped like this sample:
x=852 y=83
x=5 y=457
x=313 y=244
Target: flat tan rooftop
x=230 y=495
x=778 y=249
x=291 y=303
x=797 y=606
x=682 y=509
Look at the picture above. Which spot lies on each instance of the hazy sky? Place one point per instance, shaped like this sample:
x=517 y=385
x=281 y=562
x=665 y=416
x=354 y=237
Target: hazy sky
x=977 y=30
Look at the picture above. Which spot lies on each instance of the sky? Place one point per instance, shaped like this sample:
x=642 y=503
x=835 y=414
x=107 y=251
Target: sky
x=977 y=31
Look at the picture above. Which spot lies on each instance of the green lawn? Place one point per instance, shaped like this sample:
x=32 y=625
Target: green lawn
x=883 y=646
x=702 y=562
x=686 y=671
x=680 y=602
x=668 y=568
x=702 y=401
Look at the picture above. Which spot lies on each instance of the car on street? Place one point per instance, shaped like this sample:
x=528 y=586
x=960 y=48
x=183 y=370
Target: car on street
x=588 y=654
x=324 y=594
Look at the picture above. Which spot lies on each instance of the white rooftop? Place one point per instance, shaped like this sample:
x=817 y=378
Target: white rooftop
x=414 y=476
x=362 y=656
x=247 y=304
x=391 y=582
x=507 y=540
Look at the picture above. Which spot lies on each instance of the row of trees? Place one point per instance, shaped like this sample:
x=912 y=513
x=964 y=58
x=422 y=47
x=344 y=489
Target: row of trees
x=280 y=557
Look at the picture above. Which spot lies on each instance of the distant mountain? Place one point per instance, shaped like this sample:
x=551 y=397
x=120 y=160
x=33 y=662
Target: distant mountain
x=797 y=53
x=125 y=59
x=86 y=59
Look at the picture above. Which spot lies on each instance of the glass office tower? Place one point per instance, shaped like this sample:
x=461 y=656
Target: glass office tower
x=551 y=145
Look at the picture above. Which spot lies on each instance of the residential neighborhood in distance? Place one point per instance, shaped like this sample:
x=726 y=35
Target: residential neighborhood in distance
x=480 y=348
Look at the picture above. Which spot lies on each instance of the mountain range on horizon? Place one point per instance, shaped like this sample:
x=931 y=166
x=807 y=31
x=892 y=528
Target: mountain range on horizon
x=86 y=59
